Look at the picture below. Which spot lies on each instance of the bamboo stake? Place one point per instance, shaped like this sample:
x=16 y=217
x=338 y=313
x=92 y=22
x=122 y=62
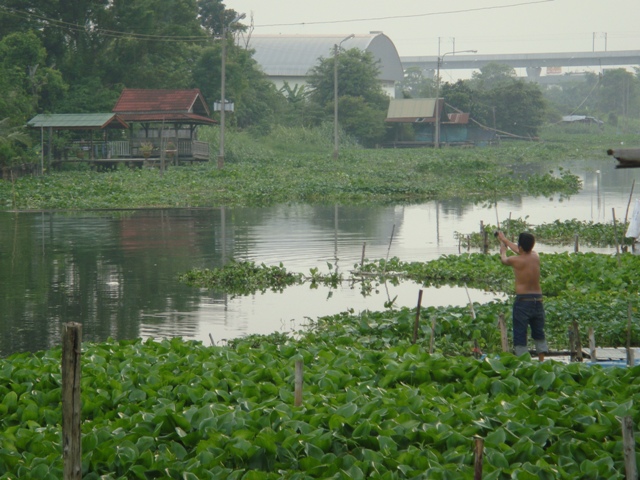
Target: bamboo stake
x=626 y=215
x=578 y=343
x=473 y=312
x=389 y=248
x=417 y=322
x=630 y=361
x=390 y=241
x=629 y=446
x=298 y=384
x=212 y=342
x=364 y=246
x=576 y=246
x=477 y=462
x=615 y=234
x=433 y=334
x=71 y=406
x=503 y=333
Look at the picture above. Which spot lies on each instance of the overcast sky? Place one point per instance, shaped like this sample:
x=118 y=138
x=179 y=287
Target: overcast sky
x=420 y=27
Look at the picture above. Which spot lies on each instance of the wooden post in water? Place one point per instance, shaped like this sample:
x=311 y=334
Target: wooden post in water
x=503 y=333
x=477 y=461
x=630 y=359
x=417 y=322
x=298 y=384
x=592 y=345
x=576 y=341
x=576 y=246
x=71 y=406
x=629 y=446
x=364 y=246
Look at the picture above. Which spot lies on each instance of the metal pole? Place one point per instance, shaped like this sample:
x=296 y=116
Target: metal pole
x=222 y=97
x=436 y=140
x=335 y=101
x=336 y=49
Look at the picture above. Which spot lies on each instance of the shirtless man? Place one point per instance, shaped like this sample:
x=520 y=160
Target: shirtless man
x=527 y=308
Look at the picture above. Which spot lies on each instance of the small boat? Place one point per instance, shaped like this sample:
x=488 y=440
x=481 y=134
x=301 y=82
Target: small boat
x=627 y=157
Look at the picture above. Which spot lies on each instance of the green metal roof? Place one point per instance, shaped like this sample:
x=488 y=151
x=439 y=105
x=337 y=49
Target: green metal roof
x=78 y=121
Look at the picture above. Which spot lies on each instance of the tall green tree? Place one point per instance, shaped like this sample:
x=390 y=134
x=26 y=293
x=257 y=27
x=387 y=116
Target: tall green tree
x=619 y=92
x=510 y=104
x=357 y=85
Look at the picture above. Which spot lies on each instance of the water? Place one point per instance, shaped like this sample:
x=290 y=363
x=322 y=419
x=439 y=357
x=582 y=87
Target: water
x=116 y=271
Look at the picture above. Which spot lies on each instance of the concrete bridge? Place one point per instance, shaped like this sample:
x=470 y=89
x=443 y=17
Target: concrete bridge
x=532 y=62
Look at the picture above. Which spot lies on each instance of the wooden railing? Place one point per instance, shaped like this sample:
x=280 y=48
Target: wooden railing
x=200 y=150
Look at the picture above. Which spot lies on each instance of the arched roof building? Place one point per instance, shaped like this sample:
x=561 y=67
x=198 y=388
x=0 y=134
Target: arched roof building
x=288 y=58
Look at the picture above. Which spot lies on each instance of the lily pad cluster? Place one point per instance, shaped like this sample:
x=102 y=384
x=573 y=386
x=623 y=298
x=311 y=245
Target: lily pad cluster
x=374 y=406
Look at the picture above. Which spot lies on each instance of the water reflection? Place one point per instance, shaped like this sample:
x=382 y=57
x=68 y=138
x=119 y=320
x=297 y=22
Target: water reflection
x=116 y=271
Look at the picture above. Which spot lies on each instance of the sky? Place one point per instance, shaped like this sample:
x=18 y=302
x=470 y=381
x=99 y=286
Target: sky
x=423 y=27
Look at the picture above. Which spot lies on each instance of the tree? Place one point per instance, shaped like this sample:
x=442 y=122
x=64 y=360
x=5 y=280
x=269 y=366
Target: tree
x=416 y=85
x=619 y=92
x=357 y=85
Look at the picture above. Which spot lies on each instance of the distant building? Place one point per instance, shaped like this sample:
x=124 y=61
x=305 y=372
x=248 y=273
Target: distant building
x=289 y=58
x=421 y=115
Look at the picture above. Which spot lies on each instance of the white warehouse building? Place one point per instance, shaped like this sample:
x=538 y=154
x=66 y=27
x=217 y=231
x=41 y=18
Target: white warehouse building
x=289 y=58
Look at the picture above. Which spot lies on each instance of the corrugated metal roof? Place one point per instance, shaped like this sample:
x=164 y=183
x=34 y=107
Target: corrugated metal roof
x=137 y=100
x=168 y=117
x=295 y=55
x=86 y=121
x=412 y=110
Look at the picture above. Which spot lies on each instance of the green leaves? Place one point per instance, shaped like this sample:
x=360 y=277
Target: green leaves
x=372 y=407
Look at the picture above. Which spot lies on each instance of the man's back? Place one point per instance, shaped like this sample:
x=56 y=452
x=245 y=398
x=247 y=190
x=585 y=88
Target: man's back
x=526 y=268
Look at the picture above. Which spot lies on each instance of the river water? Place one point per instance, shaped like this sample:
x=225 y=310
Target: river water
x=116 y=271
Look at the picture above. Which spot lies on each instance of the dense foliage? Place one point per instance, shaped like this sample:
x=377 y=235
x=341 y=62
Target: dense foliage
x=374 y=406
x=259 y=176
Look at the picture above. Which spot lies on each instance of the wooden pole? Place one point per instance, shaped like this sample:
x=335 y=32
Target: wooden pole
x=71 y=406
x=503 y=333
x=629 y=445
x=592 y=345
x=433 y=334
x=364 y=246
x=576 y=246
x=298 y=384
x=477 y=462
x=615 y=235
x=417 y=322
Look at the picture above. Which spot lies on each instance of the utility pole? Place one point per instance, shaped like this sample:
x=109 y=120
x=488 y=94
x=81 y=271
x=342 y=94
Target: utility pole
x=223 y=80
x=436 y=139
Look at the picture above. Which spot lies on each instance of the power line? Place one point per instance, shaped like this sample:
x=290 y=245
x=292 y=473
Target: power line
x=395 y=17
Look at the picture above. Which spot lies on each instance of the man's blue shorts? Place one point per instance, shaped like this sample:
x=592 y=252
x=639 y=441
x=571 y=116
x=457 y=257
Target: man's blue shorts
x=528 y=310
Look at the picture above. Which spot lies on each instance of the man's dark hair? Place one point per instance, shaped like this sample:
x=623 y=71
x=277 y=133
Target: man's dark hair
x=526 y=241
